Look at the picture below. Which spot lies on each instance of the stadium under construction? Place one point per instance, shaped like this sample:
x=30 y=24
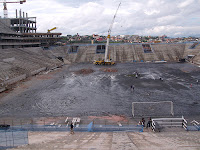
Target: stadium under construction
x=40 y=80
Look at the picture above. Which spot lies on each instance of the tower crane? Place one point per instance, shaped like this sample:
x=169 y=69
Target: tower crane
x=5 y=10
x=107 y=61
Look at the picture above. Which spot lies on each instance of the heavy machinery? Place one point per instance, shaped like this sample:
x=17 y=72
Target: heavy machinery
x=107 y=61
x=49 y=30
x=5 y=10
x=102 y=62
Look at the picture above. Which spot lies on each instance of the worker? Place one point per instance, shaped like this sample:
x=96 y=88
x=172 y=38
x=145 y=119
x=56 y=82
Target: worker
x=143 y=122
x=197 y=81
x=140 y=123
x=149 y=123
x=72 y=128
x=132 y=88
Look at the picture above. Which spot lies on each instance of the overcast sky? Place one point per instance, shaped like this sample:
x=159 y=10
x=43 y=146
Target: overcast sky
x=174 y=18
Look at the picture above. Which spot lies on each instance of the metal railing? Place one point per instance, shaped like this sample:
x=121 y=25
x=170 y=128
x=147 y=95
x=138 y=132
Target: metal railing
x=158 y=123
x=184 y=123
x=80 y=128
x=63 y=124
x=196 y=124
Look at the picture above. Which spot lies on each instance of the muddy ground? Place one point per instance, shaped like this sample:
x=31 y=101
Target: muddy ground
x=89 y=90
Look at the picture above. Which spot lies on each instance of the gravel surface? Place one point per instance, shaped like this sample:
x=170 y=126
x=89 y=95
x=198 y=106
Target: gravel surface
x=69 y=92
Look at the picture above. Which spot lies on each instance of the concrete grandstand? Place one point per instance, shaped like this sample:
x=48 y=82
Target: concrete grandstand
x=20 y=63
x=131 y=53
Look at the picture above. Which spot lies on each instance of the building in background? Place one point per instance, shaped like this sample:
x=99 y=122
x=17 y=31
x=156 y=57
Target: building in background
x=21 y=32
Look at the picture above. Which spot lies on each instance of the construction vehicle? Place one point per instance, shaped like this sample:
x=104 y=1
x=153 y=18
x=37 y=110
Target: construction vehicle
x=107 y=61
x=102 y=62
x=49 y=30
x=5 y=10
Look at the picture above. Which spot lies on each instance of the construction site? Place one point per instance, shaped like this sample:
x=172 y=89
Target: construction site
x=103 y=89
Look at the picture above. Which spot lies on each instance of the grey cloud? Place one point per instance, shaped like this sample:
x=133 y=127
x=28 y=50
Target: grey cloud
x=155 y=17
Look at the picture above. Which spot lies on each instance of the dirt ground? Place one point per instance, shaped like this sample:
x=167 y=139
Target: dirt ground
x=88 y=90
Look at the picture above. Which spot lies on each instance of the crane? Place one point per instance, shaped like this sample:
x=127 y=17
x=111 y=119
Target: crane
x=49 y=30
x=5 y=10
x=107 y=61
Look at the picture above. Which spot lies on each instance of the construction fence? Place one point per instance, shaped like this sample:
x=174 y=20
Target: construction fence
x=11 y=138
x=15 y=132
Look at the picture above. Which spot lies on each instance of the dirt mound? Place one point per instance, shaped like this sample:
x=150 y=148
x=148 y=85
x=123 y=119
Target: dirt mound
x=108 y=70
x=84 y=71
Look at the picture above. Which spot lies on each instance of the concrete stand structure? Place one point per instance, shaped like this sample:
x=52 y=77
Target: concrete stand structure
x=20 y=32
x=131 y=52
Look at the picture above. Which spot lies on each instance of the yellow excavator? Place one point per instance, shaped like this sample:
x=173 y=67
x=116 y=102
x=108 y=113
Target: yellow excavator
x=49 y=30
x=107 y=61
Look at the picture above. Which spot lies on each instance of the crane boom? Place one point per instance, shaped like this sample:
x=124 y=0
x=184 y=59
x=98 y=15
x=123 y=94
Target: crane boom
x=51 y=29
x=21 y=1
x=111 y=25
x=109 y=32
x=106 y=61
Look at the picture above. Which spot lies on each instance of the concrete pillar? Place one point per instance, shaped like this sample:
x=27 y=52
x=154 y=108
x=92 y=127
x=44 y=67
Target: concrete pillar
x=19 y=24
x=16 y=13
x=20 y=13
x=32 y=27
x=35 y=25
